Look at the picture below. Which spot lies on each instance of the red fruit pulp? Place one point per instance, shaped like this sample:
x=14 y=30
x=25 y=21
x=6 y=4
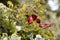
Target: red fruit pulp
x=47 y=24
x=30 y=19
x=38 y=20
x=34 y=16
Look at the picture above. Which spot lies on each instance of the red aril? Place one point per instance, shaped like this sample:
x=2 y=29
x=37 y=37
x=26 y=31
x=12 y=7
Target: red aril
x=47 y=24
x=34 y=16
x=38 y=20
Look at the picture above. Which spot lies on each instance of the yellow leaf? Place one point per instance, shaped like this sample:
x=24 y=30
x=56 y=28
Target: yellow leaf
x=24 y=8
x=9 y=2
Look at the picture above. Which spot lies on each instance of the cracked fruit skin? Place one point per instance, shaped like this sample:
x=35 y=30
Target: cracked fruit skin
x=30 y=19
x=47 y=24
x=38 y=20
x=34 y=16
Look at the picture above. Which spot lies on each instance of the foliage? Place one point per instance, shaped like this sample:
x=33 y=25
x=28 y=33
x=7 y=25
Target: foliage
x=18 y=15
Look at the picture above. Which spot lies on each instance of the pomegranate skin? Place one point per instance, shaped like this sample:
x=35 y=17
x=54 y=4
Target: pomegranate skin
x=30 y=19
x=34 y=16
x=47 y=24
x=38 y=20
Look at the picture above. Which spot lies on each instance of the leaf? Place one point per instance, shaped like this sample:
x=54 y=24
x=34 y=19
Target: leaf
x=23 y=9
x=9 y=2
